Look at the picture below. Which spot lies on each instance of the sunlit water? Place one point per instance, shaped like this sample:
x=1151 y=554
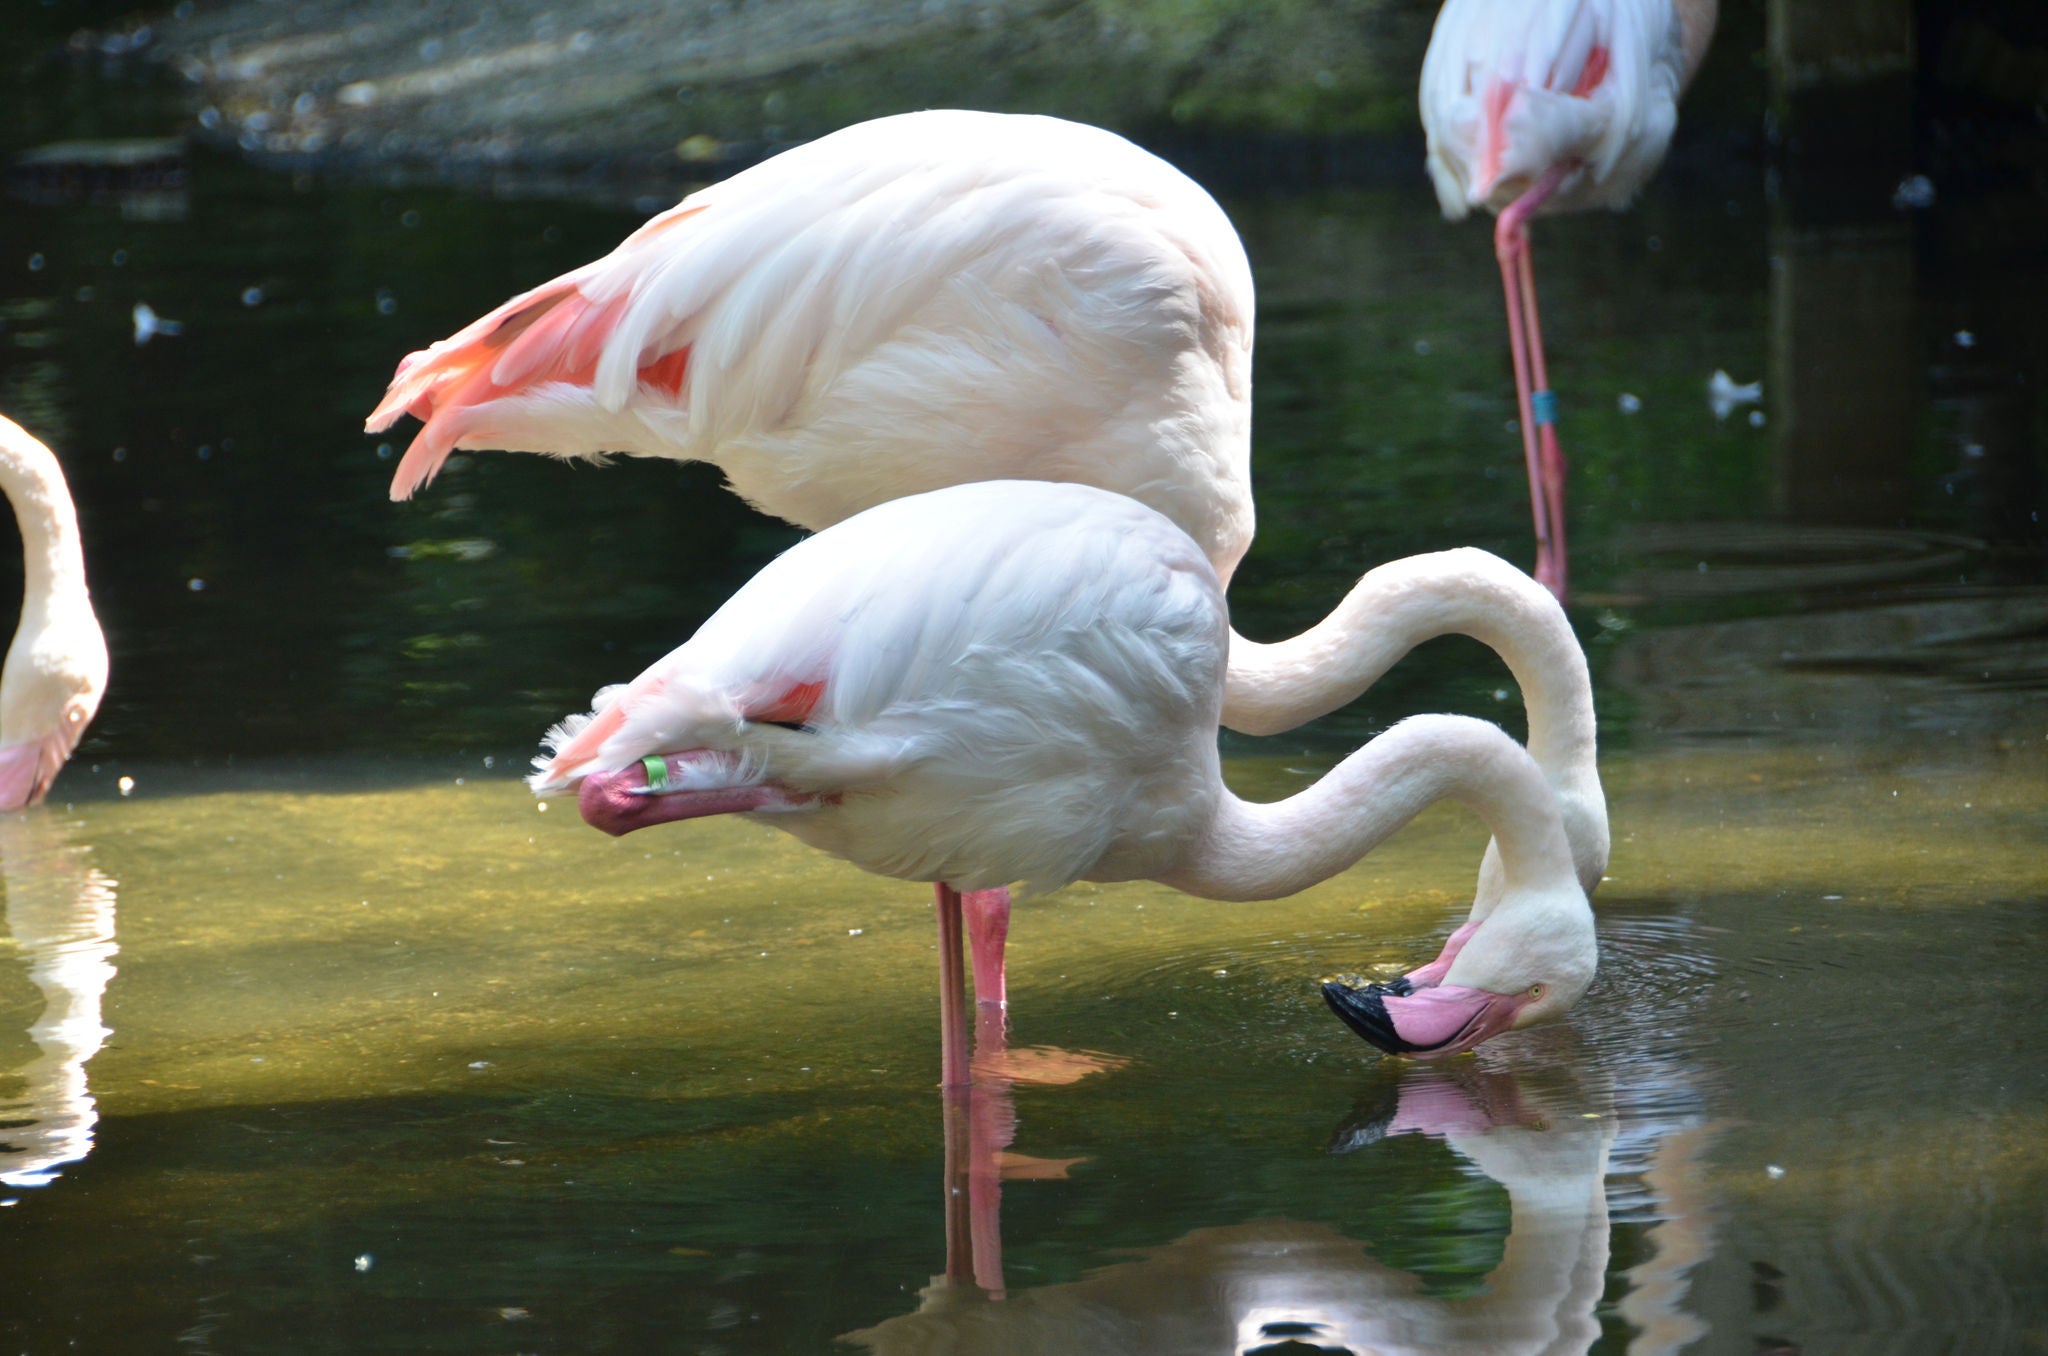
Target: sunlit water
x=322 y=1035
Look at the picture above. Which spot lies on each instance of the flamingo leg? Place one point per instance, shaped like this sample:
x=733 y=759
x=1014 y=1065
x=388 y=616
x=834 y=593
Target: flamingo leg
x=952 y=990
x=988 y=930
x=991 y=1127
x=955 y=1115
x=980 y=1124
x=1545 y=403
x=1536 y=403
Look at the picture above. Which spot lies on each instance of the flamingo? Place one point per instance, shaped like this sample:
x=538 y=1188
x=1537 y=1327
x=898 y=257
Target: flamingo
x=1541 y=106
x=57 y=666
x=945 y=297
x=1020 y=681
x=911 y=302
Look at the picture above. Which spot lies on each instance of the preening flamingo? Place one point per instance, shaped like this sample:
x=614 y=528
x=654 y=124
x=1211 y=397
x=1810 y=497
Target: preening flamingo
x=1541 y=106
x=57 y=666
x=1020 y=681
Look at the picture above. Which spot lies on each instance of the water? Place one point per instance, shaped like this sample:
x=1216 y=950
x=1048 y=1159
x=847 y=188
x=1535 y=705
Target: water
x=324 y=1036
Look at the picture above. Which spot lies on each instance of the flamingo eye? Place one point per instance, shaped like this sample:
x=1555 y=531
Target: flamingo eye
x=1535 y=991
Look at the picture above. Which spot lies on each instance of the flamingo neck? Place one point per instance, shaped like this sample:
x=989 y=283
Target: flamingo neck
x=1554 y=1260
x=53 y=559
x=1393 y=609
x=1265 y=851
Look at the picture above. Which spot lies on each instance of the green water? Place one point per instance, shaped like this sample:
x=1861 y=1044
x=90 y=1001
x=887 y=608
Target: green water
x=396 y=1060
x=675 y=1092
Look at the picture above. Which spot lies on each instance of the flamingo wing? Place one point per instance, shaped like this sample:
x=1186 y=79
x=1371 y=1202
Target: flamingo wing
x=912 y=302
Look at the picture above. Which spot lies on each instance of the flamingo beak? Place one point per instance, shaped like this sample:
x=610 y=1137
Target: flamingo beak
x=1423 y=1023
x=620 y=802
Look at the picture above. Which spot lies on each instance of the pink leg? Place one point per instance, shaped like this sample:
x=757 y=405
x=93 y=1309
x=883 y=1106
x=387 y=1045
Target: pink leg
x=1546 y=426
x=1536 y=405
x=988 y=931
x=1509 y=242
x=952 y=990
x=991 y=1126
x=980 y=1124
x=954 y=1116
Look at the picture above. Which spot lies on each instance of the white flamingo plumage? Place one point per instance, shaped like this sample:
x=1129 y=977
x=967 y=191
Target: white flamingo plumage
x=945 y=297
x=1542 y=106
x=912 y=302
x=1020 y=681
x=57 y=664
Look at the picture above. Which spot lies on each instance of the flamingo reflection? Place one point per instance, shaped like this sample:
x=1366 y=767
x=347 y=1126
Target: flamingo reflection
x=59 y=910
x=1282 y=1285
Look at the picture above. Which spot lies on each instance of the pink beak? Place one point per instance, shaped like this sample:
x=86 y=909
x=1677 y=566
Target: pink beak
x=620 y=802
x=1425 y=1024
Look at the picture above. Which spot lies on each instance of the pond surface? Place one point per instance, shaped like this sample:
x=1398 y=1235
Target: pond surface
x=318 y=1033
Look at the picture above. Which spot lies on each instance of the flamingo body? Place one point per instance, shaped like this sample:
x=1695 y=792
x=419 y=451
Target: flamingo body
x=1012 y=694
x=1020 y=681
x=1512 y=88
x=912 y=302
x=1536 y=106
x=56 y=666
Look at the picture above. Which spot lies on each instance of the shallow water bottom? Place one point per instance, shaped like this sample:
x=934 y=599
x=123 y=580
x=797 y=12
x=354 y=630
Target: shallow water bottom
x=427 y=1067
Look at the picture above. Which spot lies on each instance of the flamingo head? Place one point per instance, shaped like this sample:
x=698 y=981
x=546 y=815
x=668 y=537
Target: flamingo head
x=687 y=785
x=1529 y=963
x=50 y=690
x=1425 y=1023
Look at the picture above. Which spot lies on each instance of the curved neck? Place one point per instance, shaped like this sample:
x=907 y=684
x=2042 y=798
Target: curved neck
x=1553 y=1265
x=1393 y=609
x=53 y=561
x=1265 y=851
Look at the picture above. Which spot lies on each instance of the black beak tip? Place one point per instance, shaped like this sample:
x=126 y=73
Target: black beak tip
x=1363 y=1011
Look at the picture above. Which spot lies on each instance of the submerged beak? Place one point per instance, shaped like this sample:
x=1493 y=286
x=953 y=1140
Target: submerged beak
x=620 y=802
x=1423 y=1023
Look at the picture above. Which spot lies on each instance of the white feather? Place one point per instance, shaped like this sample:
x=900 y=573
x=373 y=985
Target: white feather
x=1534 y=52
x=1012 y=672
x=854 y=308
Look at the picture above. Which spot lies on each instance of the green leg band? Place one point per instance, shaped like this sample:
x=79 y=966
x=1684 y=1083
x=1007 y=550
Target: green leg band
x=657 y=774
